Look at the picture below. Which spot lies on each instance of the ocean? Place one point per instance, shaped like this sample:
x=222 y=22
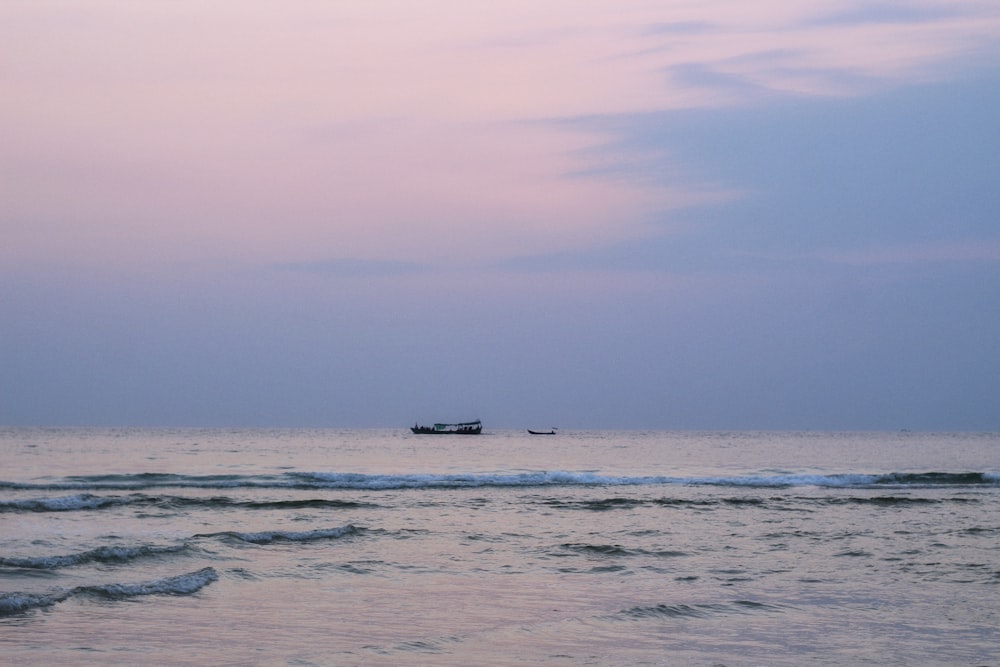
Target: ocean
x=303 y=547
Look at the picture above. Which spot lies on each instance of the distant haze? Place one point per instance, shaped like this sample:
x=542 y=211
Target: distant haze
x=711 y=215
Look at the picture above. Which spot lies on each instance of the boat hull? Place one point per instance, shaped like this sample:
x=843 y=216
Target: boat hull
x=468 y=428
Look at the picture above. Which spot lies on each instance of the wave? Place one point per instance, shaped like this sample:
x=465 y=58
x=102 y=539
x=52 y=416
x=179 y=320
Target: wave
x=83 y=501
x=615 y=550
x=87 y=501
x=778 y=502
x=267 y=537
x=698 y=610
x=99 y=555
x=184 y=584
x=358 y=481
x=127 y=554
x=16 y=603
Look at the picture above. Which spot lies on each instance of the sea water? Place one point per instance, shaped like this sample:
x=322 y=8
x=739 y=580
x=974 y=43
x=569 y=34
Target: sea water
x=379 y=547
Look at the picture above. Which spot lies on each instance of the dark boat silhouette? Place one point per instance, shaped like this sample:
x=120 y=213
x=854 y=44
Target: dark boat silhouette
x=461 y=428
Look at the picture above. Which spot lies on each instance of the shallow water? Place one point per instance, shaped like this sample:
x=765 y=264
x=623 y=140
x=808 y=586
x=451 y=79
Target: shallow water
x=378 y=547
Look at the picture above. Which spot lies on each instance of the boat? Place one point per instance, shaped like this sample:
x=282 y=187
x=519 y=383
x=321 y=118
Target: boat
x=552 y=432
x=461 y=428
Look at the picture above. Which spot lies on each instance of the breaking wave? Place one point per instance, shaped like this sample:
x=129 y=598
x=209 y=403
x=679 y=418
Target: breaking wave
x=786 y=502
x=698 y=610
x=616 y=550
x=358 y=481
x=84 y=501
x=99 y=555
x=184 y=584
x=267 y=537
x=87 y=501
x=16 y=603
x=126 y=554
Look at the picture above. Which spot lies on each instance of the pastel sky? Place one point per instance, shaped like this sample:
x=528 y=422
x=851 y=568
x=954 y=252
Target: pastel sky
x=695 y=215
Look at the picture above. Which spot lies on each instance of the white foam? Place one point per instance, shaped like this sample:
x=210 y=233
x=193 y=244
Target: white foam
x=183 y=584
x=267 y=537
x=15 y=603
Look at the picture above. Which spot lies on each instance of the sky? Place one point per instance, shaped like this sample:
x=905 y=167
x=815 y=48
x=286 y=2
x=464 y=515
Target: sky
x=647 y=215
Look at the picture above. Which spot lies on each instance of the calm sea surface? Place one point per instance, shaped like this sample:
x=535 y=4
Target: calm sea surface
x=378 y=547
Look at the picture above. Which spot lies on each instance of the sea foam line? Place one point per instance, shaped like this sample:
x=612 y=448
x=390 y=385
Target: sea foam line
x=87 y=502
x=372 y=482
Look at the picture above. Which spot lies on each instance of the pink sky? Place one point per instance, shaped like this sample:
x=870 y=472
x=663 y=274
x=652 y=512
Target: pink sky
x=281 y=132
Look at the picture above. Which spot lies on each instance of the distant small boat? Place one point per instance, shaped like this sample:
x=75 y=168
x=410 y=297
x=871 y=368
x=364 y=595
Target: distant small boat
x=552 y=432
x=461 y=428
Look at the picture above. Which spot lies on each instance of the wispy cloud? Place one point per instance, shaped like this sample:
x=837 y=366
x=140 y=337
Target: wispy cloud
x=353 y=268
x=887 y=12
x=916 y=255
x=987 y=250
x=680 y=28
x=735 y=86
